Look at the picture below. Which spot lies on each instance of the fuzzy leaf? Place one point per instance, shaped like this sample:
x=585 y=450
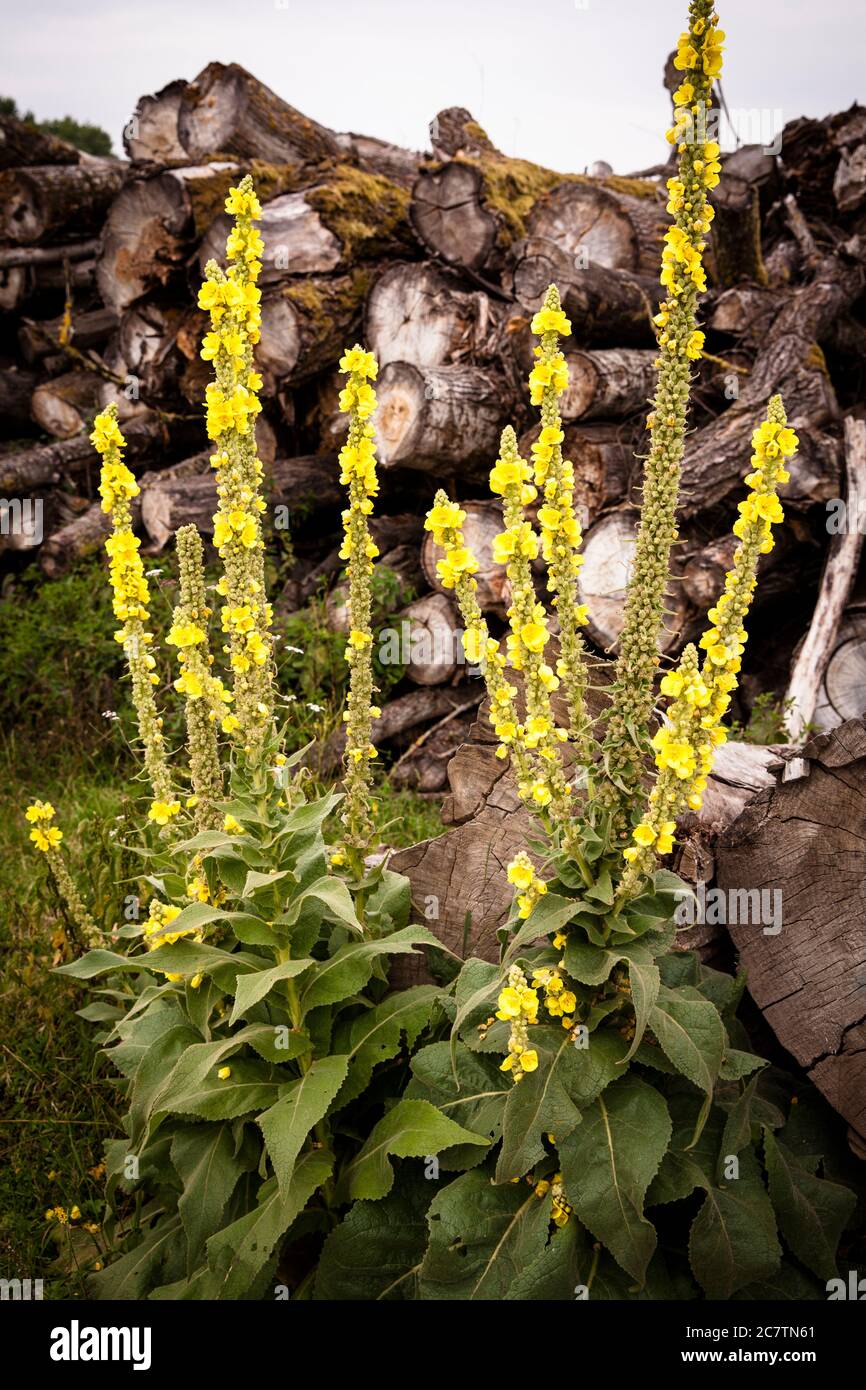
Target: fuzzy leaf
x=349 y=968
x=412 y=1129
x=482 y=1236
x=375 y=1253
x=238 y=1253
x=204 y=1158
x=286 y=1125
x=475 y=1099
x=377 y=1035
x=812 y=1212
x=255 y=987
x=733 y=1237
x=252 y=1086
x=691 y=1033
x=609 y=1161
x=157 y=1257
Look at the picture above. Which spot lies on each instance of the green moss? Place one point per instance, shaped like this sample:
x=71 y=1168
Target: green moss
x=512 y=187
x=208 y=194
x=329 y=305
x=366 y=212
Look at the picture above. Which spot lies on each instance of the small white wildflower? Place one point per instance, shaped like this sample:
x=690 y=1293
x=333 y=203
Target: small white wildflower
x=153 y=574
x=317 y=709
x=298 y=650
x=109 y=714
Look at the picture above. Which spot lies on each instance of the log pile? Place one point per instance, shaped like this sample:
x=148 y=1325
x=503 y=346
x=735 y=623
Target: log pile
x=437 y=261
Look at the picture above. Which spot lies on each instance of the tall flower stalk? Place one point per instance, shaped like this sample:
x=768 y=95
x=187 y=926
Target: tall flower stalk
x=680 y=343
x=358 y=474
x=700 y=692
x=131 y=602
x=47 y=838
x=560 y=530
x=205 y=696
x=232 y=298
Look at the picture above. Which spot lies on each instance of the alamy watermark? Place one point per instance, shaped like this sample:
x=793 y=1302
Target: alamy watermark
x=730 y=907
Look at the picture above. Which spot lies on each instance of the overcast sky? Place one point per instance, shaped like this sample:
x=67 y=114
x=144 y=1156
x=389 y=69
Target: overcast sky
x=562 y=82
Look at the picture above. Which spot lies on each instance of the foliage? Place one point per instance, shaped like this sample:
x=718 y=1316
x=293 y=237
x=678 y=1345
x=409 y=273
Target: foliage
x=82 y=134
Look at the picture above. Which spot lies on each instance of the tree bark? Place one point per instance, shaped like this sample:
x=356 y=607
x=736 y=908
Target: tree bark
x=608 y=384
x=307 y=323
x=227 y=111
x=22 y=145
x=46 y=202
x=603 y=460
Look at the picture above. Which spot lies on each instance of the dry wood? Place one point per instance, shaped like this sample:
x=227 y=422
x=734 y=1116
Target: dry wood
x=843 y=690
x=595 y=225
x=150 y=136
x=436 y=418
x=226 y=110
x=63 y=405
x=421 y=314
x=606 y=307
x=608 y=557
x=608 y=383
x=16 y=392
x=839 y=572
x=38 y=338
x=432 y=637
x=803 y=838
x=306 y=324
x=150 y=225
x=406 y=712
x=49 y=201
x=603 y=459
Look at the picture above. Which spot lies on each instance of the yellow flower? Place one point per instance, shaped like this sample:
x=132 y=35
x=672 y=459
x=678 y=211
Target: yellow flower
x=224 y=1073
x=231 y=825
x=162 y=811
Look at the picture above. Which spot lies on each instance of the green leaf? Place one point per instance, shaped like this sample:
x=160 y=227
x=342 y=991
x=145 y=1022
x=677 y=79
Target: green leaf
x=378 y=1034
x=733 y=1237
x=204 y=1159
x=749 y=1112
x=550 y=1099
x=811 y=1211
x=332 y=900
x=688 y=1165
x=96 y=962
x=412 y=1129
x=482 y=1236
x=551 y=914
x=736 y=1064
x=644 y=979
x=240 y=1252
x=254 y=987
x=475 y=1098
x=376 y=1251
x=286 y=1125
x=558 y=1270
x=350 y=967
x=251 y=1086
x=609 y=1161
x=690 y=1033
x=157 y=1258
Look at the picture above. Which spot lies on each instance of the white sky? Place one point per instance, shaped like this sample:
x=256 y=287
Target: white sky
x=563 y=82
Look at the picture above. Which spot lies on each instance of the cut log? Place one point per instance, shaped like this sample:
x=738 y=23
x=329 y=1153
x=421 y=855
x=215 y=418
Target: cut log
x=608 y=557
x=46 y=203
x=470 y=210
x=837 y=580
x=62 y=406
x=23 y=145
x=150 y=227
x=28 y=271
x=39 y=338
x=483 y=523
x=439 y=417
x=704 y=570
x=603 y=459
x=45 y=465
x=803 y=838
x=346 y=217
x=16 y=392
x=170 y=500
x=423 y=767
x=156 y=340
x=150 y=135
x=596 y=225
x=842 y=694
x=608 y=383
x=790 y=363
x=454 y=131
x=420 y=314
x=227 y=111
x=430 y=628
x=606 y=307
x=307 y=323
x=736 y=233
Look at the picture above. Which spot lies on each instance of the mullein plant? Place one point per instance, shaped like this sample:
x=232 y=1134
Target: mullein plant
x=247 y=1008
x=630 y=1077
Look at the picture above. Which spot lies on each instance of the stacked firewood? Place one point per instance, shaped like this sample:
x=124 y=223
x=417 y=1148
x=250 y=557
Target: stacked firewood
x=436 y=261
